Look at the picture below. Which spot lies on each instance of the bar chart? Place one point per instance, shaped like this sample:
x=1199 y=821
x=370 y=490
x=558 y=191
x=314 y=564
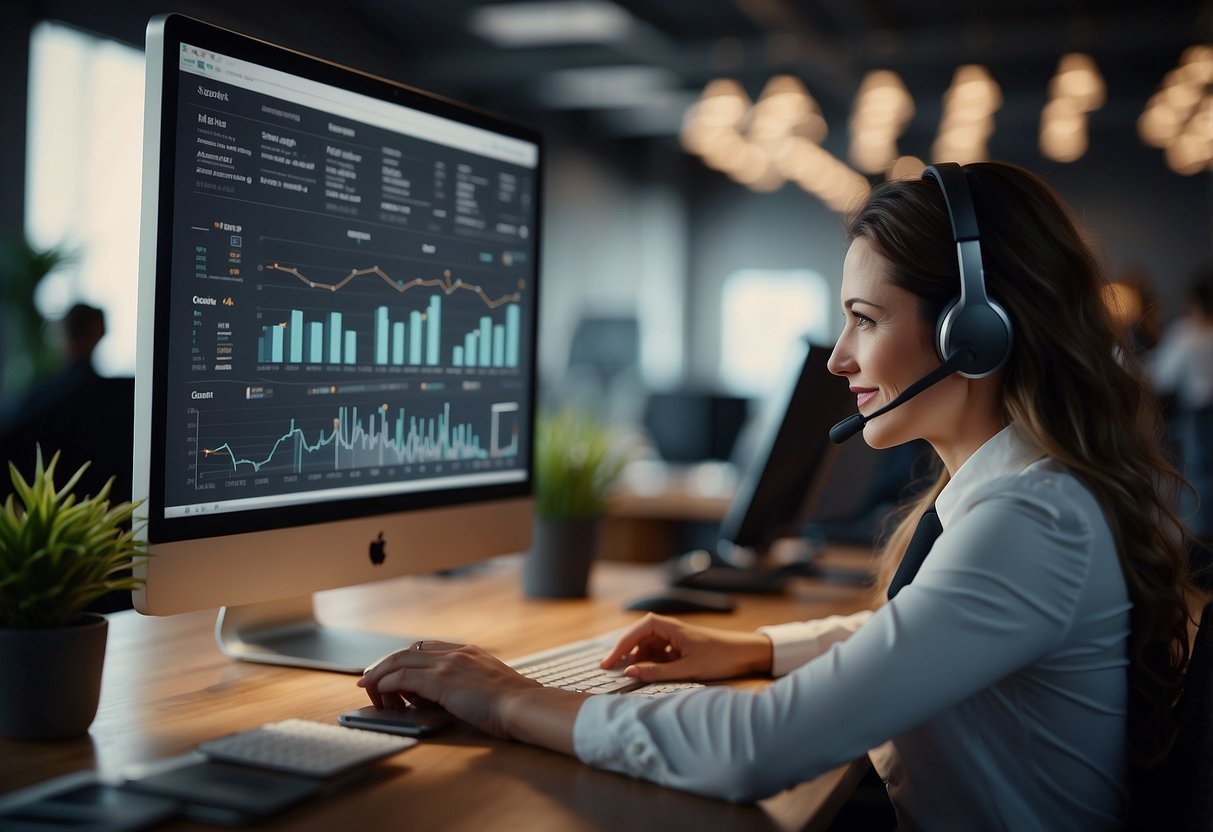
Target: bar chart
x=392 y=339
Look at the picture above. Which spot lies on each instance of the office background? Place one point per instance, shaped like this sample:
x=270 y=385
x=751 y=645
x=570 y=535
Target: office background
x=638 y=228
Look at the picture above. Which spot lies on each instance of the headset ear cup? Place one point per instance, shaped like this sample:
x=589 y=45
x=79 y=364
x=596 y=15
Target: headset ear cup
x=984 y=329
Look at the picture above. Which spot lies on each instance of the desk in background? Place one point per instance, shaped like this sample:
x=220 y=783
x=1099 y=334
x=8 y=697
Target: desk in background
x=655 y=501
x=167 y=687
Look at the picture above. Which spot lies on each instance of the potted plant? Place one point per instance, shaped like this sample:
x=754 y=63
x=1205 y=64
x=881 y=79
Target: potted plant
x=577 y=461
x=58 y=553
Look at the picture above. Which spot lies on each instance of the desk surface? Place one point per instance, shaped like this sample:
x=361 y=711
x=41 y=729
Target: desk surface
x=167 y=687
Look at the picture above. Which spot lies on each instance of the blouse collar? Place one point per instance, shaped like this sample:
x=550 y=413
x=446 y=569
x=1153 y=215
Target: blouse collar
x=1007 y=452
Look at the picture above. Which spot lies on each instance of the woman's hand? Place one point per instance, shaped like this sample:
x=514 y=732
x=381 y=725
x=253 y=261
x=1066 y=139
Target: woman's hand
x=465 y=680
x=659 y=649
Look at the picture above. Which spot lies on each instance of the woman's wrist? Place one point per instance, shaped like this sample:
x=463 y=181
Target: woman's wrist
x=758 y=653
x=540 y=716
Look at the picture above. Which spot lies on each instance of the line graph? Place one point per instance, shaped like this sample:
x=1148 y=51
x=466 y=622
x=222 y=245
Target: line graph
x=381 y=438
x=444 y=283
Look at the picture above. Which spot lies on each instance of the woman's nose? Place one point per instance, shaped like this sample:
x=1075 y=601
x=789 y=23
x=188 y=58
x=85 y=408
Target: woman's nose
x=840 y=362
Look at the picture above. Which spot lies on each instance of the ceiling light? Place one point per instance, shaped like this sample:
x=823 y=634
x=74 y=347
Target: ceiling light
x=968 y=108
x=605 y=86
x=883 y=107
x=1078 y=80
x=514 y=25
x=1179 y=116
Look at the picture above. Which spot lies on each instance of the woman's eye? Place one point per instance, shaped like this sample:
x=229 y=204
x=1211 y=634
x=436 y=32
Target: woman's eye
x=861 y=321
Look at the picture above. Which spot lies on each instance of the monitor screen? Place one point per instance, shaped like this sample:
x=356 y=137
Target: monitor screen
x=337 y=306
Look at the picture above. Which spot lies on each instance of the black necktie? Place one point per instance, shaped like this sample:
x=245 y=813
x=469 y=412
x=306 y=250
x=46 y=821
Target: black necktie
x=920 y=544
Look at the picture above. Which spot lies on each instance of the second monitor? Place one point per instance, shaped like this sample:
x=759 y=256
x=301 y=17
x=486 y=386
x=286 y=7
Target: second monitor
x=793 y=472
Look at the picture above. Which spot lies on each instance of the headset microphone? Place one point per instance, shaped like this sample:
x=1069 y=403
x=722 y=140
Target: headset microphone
x=853 y=424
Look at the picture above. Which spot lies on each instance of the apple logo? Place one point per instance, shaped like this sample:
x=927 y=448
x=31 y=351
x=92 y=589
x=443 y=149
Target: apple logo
x=378 y=555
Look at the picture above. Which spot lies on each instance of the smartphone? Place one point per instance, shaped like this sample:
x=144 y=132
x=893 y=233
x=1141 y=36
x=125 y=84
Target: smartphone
x=411 y=721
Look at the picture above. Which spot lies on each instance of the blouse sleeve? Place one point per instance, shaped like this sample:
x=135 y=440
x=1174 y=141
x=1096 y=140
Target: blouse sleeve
x=795 y=643
x=998 y=592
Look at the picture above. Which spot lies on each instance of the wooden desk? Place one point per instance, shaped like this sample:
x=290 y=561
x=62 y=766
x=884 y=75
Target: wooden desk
x=643 y=524
x=167 y=688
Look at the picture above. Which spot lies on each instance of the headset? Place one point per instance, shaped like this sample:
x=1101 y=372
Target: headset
x=973 y=321
x=973 y=334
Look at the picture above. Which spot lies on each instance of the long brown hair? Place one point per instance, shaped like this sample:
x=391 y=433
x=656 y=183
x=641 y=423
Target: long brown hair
x=1069 y=384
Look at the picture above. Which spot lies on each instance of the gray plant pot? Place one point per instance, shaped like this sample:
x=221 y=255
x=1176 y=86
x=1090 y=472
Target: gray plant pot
x=562 y=551
x=51 y=679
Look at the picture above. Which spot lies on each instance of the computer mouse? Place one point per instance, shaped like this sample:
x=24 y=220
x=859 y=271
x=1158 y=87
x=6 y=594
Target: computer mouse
x=677 y=601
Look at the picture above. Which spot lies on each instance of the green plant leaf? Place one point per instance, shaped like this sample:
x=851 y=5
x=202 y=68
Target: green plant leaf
x=577 y=461
x=60 y=551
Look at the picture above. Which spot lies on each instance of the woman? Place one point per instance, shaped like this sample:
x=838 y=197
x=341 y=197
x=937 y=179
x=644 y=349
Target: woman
x=1002 y=679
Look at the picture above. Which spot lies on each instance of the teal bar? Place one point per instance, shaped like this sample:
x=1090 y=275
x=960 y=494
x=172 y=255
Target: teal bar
x=498 y=346
x=512 y=316
x=457 y=356
x=486 y=341
x=316 y=352
x=351 y=347
x=381 y=333
x=433 y=325
x=334 y=337
x=276 y=344
x=296 y=336
x=263 y=346
x=398 y=343
x=414 y=337
x=469 y=349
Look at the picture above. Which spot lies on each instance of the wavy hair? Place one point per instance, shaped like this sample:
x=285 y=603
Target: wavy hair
x=1070 y=384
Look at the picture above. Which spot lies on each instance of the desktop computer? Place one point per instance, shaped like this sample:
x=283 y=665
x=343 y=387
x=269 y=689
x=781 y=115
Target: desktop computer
x=336 y=338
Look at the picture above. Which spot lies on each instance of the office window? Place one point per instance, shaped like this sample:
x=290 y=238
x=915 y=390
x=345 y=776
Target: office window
x=82 y=178
x=762 y=313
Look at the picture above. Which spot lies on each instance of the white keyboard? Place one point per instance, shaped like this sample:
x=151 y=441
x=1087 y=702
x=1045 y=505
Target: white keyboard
x=574 y=666
x=299 y=746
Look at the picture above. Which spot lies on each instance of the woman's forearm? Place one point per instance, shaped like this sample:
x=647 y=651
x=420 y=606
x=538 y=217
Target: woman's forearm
x=542 y=716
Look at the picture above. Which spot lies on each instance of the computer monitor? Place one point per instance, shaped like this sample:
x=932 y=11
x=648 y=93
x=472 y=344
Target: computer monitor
x=336 y=343
x=793 y=472
x=794 y=458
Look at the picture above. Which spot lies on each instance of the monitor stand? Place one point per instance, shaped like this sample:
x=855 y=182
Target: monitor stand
x=286 y=632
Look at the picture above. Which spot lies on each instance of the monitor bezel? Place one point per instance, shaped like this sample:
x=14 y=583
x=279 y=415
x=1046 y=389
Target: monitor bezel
x=162 y=93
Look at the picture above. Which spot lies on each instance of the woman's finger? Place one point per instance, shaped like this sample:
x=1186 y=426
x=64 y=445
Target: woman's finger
x=418 y=655
x=647 y=628
x=655 y=671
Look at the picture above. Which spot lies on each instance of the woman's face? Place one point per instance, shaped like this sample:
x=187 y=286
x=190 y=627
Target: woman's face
x=884 y=348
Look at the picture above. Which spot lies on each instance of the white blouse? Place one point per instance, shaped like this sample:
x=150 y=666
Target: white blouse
x=996 y=680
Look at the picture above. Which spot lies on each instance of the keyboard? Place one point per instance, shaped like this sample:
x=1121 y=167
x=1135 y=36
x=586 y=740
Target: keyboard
x=299 y=746
x=574 y=666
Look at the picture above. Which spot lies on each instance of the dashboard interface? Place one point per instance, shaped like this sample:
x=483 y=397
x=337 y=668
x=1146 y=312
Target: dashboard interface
x=352 y=305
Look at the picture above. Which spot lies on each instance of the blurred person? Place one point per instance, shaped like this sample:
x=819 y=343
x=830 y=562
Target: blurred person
x=1182 y=368
x=87 y=417
x=77 y=336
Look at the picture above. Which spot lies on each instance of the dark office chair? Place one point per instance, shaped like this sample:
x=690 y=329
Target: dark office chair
x=1177 y=795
